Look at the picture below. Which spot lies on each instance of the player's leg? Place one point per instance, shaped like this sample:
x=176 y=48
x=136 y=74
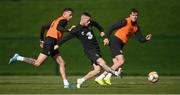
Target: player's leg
x=62 y=70
x=95 y=56
x=100 y=78
x=36 y=62
x=101 y=62
x=47 y=46
x=116 y=47
x=117 y=63
x=41 y=58
x=91 y=74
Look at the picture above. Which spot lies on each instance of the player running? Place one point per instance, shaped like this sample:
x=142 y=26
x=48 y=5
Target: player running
x=55 y=32
x=83 y=32
x=124 y=29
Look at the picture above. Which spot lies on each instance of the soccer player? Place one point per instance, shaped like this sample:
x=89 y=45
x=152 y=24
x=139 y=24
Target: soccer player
x=124 y=29
x=83 y=31
x=55 y=32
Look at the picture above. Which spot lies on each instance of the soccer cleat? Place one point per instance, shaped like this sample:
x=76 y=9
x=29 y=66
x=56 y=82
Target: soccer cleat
x=100 y=81
x=79 y=83
x=107 y=80
x=66 y=86
x=14 y=58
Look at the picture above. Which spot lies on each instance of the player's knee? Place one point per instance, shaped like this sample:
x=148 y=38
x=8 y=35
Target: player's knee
x=101 y=62
x=61 y=63
x=36 y=64
x=97 y=70
x=120 y=59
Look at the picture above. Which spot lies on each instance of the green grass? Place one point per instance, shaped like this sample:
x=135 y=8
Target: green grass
x=53 y=85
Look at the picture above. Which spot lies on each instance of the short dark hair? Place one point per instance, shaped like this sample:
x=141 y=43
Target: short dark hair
x=68 y=9
x=86 y=14
x=134 y=10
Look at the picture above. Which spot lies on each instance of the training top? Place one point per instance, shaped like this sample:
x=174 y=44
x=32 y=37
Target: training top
x=85 y=35
x=55 y=29
x=124 y=29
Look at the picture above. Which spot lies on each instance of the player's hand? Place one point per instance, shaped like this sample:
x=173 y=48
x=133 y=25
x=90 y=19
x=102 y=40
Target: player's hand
x=148 y=37
x=73 y=26
x=106 y=41
x=102 y=34
x=56 y=47
x=41 y=44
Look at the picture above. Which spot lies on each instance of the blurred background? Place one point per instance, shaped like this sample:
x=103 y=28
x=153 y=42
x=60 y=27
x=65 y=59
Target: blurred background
x=21 y=20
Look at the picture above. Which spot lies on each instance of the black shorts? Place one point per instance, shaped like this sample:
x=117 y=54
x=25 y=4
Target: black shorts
x=116 y=46
x=93 y=55
x=48 y=47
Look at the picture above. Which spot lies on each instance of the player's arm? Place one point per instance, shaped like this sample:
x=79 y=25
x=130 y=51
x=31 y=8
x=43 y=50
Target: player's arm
x=61 y=26
x=66 y=38
x=69 y=36
x=99 y=27
x=140 y=37
x=116 y=26
x=43 y=29
x=113 y=27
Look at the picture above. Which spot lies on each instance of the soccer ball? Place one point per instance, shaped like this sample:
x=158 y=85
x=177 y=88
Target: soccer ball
x=153 y=77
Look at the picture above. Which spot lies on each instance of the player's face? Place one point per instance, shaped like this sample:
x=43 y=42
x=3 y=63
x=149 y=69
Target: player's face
x=85 y=20
x=134 y=16
x=67 y=15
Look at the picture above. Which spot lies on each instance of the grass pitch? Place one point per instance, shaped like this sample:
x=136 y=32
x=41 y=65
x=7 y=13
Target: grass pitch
x=53 y=85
